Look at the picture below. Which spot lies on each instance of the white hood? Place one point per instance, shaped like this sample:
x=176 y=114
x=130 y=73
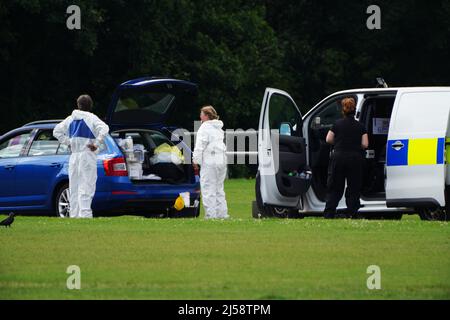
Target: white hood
x=79 y=114
x=217 y=124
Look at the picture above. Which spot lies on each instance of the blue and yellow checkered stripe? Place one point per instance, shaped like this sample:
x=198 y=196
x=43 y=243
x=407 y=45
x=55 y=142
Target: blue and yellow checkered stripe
x=416 y=152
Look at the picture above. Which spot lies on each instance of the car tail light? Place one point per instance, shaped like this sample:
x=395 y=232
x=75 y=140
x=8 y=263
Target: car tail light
x=123 y=192
x=115 y=167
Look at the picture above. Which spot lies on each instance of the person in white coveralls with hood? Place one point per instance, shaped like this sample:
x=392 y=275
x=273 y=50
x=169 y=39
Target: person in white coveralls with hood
x=210 y=154
x=84 y=132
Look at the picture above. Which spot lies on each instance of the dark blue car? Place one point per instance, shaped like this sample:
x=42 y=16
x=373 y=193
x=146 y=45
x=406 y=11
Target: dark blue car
x=34 y=166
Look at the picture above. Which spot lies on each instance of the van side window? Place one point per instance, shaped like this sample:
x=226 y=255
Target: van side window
x=283 y=110
x=327 y=116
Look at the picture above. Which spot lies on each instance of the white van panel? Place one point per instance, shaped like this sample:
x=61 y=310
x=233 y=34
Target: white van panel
x=422 y=113
x=415 y=149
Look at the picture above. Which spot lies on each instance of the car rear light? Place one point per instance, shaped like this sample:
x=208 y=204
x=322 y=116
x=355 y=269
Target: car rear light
x=123 y=192
x=115 y=167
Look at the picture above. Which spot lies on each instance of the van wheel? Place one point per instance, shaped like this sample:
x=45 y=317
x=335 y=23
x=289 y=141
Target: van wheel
x=260 y=210
x=263 y=211
x=437 y=214
x=62 y=205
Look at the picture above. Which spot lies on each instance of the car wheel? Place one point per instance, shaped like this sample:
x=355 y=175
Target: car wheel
x=62 y=205
x=285 y=213
x=260 y=210
x=437 y=214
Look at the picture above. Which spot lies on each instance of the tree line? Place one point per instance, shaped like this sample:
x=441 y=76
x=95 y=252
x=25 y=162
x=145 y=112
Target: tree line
x=232 y=49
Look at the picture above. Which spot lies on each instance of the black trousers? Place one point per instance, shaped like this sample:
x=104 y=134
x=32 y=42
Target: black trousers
x=344 y=166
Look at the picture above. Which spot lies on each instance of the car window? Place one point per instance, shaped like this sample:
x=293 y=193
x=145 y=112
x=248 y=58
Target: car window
x=12 y=147
x=137 y=137
x=44 y=144
x=142 y=106
x=159 y=139
x=63 y=149
x=149 y=139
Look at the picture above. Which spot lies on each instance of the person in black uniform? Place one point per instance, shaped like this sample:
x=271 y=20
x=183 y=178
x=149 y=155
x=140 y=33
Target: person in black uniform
x=349 y=138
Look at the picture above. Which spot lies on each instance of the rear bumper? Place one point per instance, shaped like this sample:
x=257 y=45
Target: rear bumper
x=127 y=197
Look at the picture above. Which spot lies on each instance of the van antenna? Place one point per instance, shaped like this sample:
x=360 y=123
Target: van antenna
x=381 y=83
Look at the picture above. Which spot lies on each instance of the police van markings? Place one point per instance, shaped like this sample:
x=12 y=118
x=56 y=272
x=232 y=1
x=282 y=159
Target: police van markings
x=416 y=152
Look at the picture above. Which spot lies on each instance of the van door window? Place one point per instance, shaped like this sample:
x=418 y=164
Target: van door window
x=327 y=116
x=283 y=111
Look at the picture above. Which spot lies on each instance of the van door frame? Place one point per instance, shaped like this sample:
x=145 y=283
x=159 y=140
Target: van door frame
x=266 y=183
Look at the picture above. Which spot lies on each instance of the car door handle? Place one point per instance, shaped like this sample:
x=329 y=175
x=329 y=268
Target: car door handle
x=55 y=165
x=397 y=145
x=9 y=166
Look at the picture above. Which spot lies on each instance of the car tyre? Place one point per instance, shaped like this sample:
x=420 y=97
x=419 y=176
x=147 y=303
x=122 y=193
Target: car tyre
x=62 y=205
x=436 y=214
x=260 y=210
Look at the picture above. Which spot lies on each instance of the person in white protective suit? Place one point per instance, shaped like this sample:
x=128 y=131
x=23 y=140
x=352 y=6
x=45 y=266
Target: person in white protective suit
x=209 y=153
x=84 y=132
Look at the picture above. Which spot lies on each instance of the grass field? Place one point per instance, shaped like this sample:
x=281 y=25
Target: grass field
x=241 y=258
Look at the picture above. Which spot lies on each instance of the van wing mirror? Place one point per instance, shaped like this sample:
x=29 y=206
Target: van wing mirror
x=285 y=129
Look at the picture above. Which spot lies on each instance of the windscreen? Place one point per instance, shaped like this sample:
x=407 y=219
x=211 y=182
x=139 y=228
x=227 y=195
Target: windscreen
x=157 y=103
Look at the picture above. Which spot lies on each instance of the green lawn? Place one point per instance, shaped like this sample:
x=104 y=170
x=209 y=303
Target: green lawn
x=140 y=258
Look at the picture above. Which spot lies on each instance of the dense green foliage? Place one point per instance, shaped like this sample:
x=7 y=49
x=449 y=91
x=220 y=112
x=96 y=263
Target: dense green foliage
x=233 y=49
x=242 y=258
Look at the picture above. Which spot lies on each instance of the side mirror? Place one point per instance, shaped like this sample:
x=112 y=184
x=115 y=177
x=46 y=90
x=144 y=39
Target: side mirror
x=285 y=129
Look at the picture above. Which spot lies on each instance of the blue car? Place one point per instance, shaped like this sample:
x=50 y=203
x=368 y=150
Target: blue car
x=34 y=166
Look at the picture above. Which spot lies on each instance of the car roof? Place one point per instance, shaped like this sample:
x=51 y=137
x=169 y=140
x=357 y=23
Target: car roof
x=150 y=80
x=374 y=90
x=42 y=124
x=38 y=124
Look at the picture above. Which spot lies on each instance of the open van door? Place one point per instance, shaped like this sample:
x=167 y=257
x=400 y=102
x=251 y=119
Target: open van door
x=281 y=178
x=415 y=148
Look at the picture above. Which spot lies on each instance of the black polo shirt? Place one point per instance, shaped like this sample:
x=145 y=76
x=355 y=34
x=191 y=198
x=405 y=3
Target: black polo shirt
x=347 y=135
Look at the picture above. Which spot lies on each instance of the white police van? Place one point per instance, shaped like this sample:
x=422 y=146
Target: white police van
x=404 y=166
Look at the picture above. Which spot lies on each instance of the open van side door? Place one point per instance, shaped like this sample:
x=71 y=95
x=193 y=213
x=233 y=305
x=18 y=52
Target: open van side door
x=415 y=148
x=281 y=152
